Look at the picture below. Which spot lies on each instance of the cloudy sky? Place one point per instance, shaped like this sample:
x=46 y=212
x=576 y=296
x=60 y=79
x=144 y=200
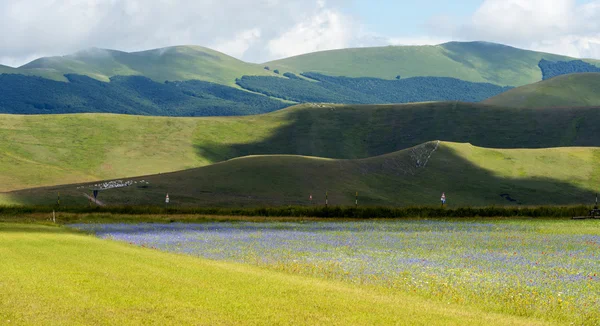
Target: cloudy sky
x=262 y=30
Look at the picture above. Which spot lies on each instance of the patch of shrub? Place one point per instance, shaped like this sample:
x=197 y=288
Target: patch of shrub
x=344 y=90
x=127 y=95
x=552 y=69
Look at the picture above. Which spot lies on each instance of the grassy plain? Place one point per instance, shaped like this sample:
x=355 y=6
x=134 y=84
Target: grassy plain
x=544 y=268
x=573 y=90
x=62 y=149
x=51 y=275
x=469 y=175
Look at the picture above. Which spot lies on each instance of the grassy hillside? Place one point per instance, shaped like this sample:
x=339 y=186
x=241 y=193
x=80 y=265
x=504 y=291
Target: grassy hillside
x=469 y=175
x=173 y=63
x=55 y=276
x=6 y=69
x=58 y=149
x=471 y=61
x=573 y=90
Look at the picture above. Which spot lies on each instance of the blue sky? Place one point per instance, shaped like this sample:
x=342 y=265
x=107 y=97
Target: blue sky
x=409 y=18
x=263 y=30
x=406 y=18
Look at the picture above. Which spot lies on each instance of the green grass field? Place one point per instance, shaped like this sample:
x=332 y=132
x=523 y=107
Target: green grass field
x=173 y=63
x=63 y=149
x=470 y=176
x=51 y=275
x=470 y=61
x=574 y=90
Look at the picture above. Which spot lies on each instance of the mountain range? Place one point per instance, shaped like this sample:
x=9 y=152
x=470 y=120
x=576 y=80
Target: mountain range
x=196 y=81
x=507 y=125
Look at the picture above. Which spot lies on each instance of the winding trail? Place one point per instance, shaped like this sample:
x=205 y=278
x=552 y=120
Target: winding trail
x=95 y=201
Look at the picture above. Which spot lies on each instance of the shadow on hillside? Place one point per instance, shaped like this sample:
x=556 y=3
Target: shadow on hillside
x=366 y=131
x=470 y=185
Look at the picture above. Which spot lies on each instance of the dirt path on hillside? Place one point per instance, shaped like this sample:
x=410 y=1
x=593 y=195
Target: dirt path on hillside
x=95 y=201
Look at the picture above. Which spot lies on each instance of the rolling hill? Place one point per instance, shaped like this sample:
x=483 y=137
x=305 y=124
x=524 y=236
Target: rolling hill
x=173 y=63
x=417 y=176
x=48 y=150
x=573 y=90
x=469 y=61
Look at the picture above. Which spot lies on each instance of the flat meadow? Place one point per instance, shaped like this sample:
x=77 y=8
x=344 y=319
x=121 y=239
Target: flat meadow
x=548 y=270
x=106 y=269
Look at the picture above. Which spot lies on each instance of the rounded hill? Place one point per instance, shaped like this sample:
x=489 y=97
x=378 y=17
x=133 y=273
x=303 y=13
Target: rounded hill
x=573 y=90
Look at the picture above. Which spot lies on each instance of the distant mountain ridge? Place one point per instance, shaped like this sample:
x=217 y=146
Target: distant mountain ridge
x=172 y=64
x=469 y=61
x=466 y=72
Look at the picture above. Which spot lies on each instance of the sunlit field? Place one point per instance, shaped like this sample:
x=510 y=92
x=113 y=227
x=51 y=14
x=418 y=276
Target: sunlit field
x=544 y=269
x=51 y=275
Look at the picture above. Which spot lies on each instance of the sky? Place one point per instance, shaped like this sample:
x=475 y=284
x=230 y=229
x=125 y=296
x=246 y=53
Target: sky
x=264 y=30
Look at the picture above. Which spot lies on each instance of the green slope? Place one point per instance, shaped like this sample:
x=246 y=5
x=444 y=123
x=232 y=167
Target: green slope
x=470 y=61
x=469 y=175
x=573 y=90
x=6 y=69
x=59 y=149
x=51 y=275
x=173 y=63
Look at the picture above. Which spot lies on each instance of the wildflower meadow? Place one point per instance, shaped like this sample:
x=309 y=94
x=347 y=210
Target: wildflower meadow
x=539 y=268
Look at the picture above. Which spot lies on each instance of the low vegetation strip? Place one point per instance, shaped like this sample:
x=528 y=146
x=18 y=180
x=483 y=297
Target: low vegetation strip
x=51 y=275
x=13 y=212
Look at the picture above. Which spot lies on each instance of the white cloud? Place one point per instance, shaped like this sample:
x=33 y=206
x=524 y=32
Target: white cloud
x=262 y=30
x=242 y=28
x=324 y=31
x=571 y=45
x=424 y=40
x=238 y=46
x=557 y=26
